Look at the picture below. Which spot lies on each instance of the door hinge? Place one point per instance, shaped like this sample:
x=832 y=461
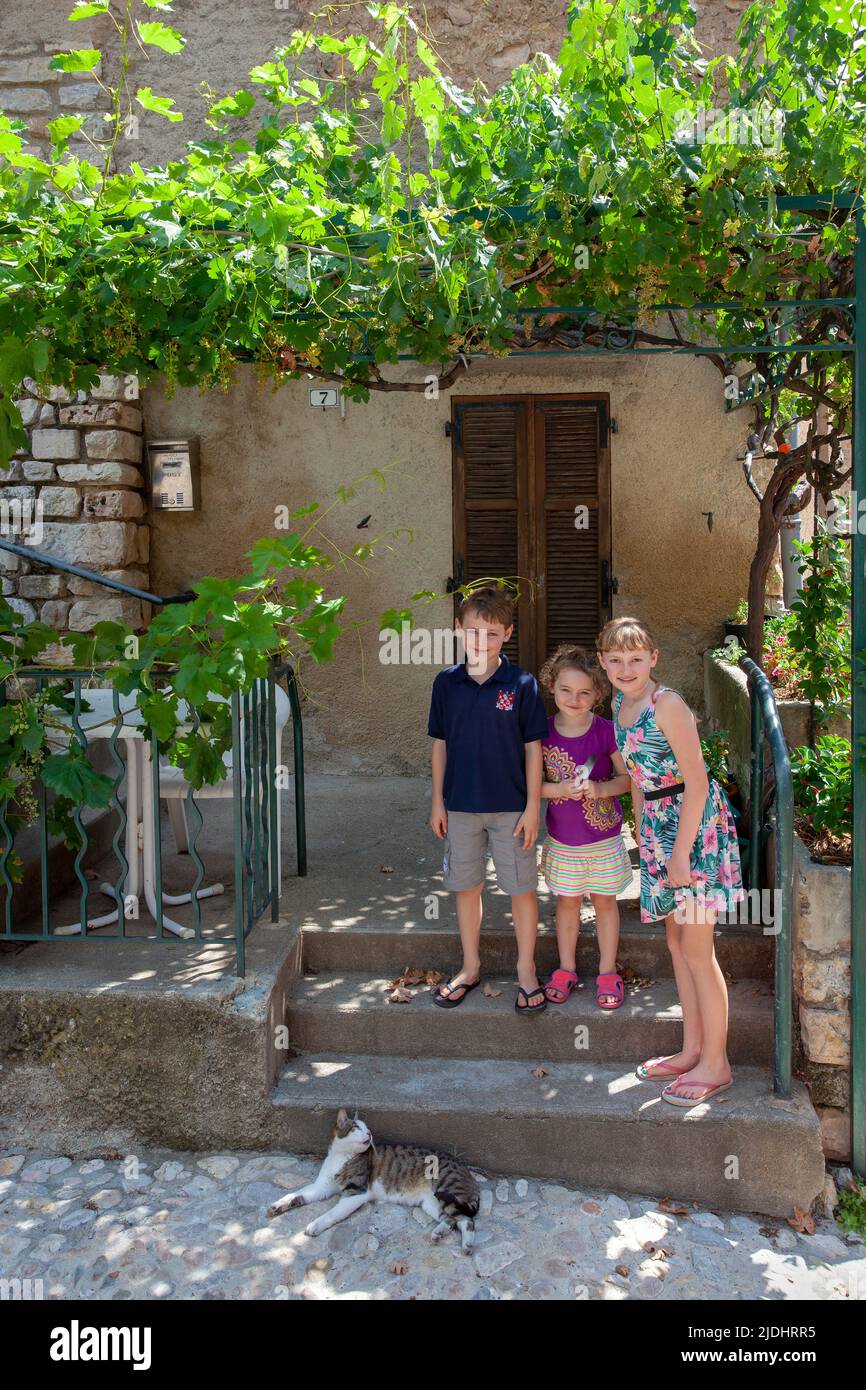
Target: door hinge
x=609 y=584
x=455 y=581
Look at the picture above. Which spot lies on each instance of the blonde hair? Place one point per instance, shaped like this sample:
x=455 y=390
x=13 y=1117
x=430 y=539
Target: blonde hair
x=626 y=634
x=569 y=656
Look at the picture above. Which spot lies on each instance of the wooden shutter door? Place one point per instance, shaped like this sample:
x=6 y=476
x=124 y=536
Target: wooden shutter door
x=522 y=465
x=571 y=470
x=491 y=494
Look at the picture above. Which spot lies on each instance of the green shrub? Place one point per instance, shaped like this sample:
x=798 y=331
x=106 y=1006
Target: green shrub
x=716 y=750
x=818 y=631
x=851 y=1212
x=822 y=784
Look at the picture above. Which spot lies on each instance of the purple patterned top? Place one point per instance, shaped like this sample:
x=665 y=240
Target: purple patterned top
x=582 y=822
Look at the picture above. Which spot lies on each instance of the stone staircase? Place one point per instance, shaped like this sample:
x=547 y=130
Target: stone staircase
x=462 y=1079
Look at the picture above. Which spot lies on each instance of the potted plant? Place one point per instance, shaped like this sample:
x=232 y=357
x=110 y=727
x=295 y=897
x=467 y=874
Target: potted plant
x=735 y=625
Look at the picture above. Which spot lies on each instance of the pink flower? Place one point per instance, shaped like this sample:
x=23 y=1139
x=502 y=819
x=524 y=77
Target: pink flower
x=710 y=839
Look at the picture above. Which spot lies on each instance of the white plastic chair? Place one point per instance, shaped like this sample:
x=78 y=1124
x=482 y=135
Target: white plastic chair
x=174 y=787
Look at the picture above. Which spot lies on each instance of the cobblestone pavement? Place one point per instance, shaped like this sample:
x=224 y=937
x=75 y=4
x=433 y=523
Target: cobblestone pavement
x=161 y=1225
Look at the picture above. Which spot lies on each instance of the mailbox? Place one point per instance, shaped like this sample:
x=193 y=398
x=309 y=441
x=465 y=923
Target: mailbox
x=174 y=475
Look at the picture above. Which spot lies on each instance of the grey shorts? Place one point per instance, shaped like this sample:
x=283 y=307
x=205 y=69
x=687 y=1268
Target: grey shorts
x=469 y=834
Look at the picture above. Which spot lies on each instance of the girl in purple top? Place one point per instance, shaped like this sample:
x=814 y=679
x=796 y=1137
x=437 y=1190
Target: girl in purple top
x=584 y=850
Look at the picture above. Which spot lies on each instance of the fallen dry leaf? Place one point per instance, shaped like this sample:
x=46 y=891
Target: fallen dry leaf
x=413 y=976
x=538 y=1073
x=623 y=1270
x=490 y=993
x=672 y=1208
x=398 y=1267
x=400 y=996
x=802 y=1222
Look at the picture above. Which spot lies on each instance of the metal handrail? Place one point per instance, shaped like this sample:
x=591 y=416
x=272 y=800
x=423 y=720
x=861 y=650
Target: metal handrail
x=42 y=557
x=766 y=723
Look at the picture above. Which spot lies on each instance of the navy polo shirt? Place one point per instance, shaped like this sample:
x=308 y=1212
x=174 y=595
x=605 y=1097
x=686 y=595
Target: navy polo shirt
x=485 y=727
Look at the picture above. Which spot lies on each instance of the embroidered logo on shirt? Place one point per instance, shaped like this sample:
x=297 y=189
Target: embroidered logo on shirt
x=505 y=699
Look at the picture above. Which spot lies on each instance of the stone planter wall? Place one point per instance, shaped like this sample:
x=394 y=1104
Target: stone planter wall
x=79 y=489
x=822 y=992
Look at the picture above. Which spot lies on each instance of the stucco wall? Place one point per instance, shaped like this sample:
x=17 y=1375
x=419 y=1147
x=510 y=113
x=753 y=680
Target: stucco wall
x=674 y=457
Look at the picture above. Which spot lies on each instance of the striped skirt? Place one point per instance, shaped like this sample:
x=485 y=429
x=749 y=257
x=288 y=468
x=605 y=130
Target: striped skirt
x=571 y=870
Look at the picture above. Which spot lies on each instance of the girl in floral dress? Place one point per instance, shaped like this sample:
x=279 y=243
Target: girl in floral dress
x=690 y=862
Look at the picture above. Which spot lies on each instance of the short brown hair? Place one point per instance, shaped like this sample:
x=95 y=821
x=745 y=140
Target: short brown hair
x=626 y=634
x=569 y=656
x=494 y=605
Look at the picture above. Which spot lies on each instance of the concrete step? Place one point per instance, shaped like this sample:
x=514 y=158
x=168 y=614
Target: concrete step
x=384 y=948
x=585 y=1123
x=351 y=1013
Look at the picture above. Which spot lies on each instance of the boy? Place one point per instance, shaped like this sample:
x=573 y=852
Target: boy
x=487 y=721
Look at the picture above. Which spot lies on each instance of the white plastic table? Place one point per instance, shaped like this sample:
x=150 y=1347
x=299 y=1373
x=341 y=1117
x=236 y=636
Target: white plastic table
x=99 y=723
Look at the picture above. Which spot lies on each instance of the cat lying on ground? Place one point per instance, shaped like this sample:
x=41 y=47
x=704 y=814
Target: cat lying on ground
x=407 y=1173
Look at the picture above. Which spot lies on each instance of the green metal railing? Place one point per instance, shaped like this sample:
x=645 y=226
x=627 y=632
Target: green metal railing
x=255 y=801
x=254 y=784
x=766 y=724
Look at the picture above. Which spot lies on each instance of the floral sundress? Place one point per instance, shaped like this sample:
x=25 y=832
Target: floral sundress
x=715 y=856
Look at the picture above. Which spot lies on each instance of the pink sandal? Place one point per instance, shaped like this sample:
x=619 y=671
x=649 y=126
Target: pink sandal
x=562 y=982
x=609 y=984
x=657 y=1068
x=672 y=1093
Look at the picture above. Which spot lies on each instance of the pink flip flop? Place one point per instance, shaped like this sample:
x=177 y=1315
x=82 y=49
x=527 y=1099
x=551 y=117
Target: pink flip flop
x=708 y=1088
x=660 y=1069
x=609 y=984
x=563 y=981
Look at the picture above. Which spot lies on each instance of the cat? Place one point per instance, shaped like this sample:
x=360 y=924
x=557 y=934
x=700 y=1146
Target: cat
x=406 y=1173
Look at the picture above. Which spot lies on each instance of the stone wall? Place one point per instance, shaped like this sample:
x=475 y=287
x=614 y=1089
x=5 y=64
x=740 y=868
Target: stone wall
x=822 y=992
x=31 y=92
x=76 y=491
x=477 y=39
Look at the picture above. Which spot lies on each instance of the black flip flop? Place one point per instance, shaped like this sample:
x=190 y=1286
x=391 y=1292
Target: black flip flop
x=528 y=1008
x=453 y=1003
